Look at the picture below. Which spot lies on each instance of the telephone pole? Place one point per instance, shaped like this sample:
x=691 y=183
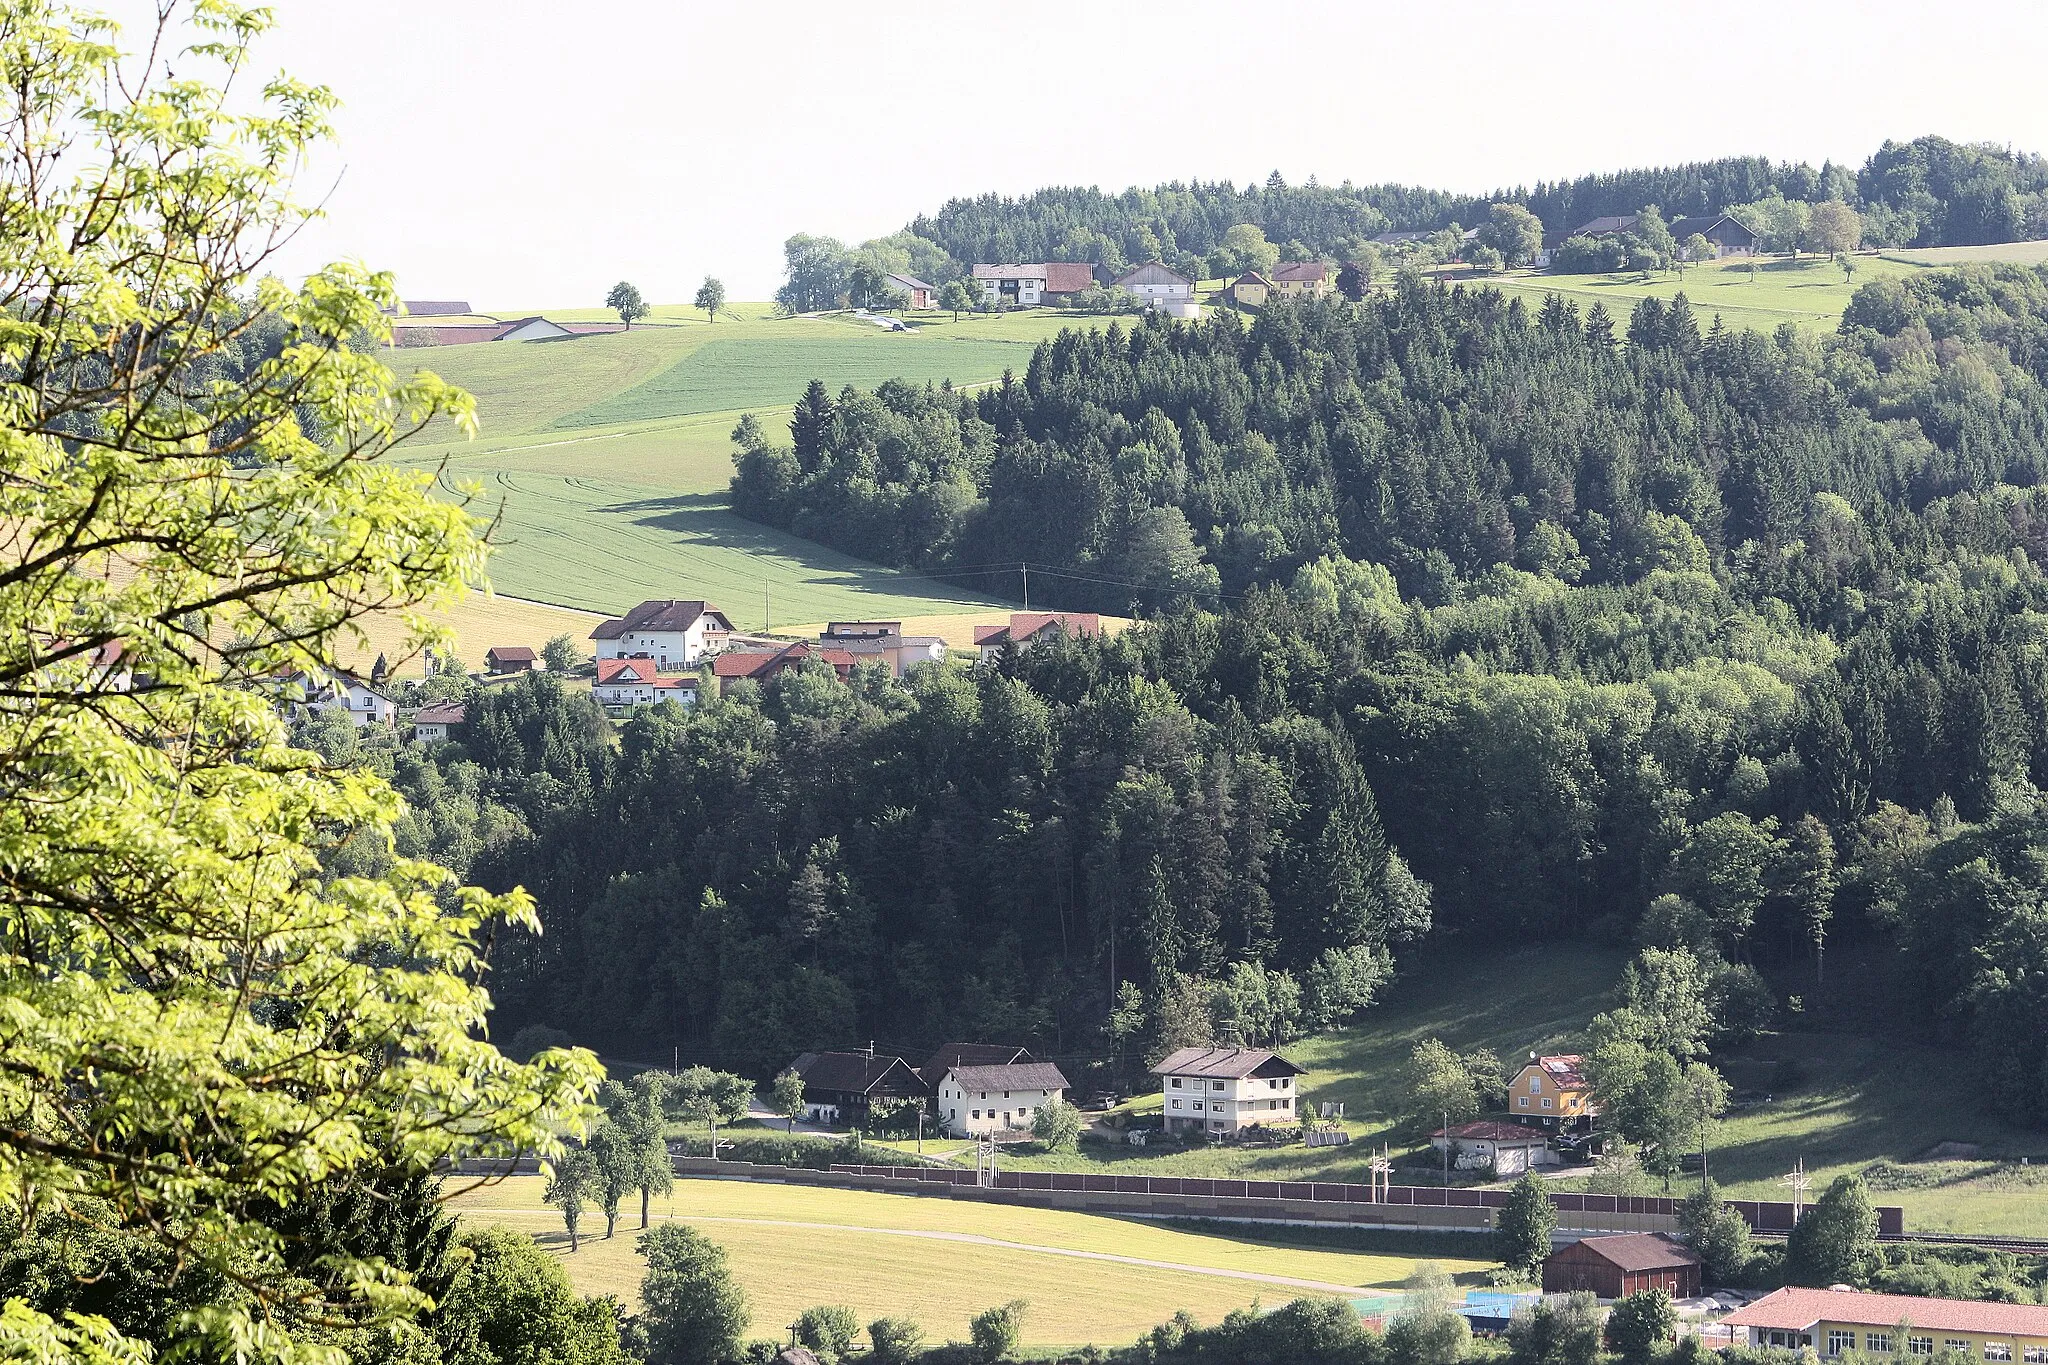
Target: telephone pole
x=1025 y=569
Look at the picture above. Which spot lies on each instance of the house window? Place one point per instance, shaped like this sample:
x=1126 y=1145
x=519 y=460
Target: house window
x=2034 y=1355
x=977 y=1113
x=1535 y=1085
x=1546 y=1101
x=1287 y=1082
x=1919 y=1346
x=1197 y=1106
x=1524 y=1101
x=1998 y=1350
x=1176 y=1104
x=1877 y=1341
x=1176 y=1082
x=1839 y=1341
x=1956 y=1344
x=1006 y=1094
x=1215 y=1085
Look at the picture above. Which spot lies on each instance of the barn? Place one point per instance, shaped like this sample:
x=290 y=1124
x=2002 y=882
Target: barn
x=1615 y=1267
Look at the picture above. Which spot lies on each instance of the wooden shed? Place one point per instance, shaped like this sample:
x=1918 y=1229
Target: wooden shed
x=1615 y=1267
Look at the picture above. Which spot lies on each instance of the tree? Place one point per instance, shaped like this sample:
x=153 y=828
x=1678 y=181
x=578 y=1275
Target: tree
x=1428 y=1329
x=1552 y=1333
x=818 y=267
x=572 y=1178
x=1524 y=1226
x=1056 y=1125
x=560 y=653
x=694 y=1312
x=625 y=300
x=1440 y=1087
x=203 y=1058
x=1640 y=1323
x=956 y=298
x=786 y=1097
x=1715 y=1233
x=1513 y=231
x=1664 y=994
x=1835 y=1241
x=1655 y=235
x=828 y=1329
x=895 y=1341
x=510 y=1303
x=710 y=297
x=1834 y=227
x=1483 y=260
x=1697 y=248
x=616 y=1169
x=640 y=1114
x=701 y=1095
x=1644 y=1098
x=995 y=1331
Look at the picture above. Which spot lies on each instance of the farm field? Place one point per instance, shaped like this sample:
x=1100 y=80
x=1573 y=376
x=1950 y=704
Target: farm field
x=479 y=621
x=1088 y=1278
x=1809 y=292
x=606 y=458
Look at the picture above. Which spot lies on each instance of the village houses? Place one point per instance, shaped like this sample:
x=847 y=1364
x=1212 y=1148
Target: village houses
x=883 y=642
x=1834 y=1322
x=1223 y=1090
x=1028 y=286
x=986 y=1101
x=1554 y=1092
x=1028 y=628
x=510 y=659
x=435 y=724
x=916 y=292
x=638 y=682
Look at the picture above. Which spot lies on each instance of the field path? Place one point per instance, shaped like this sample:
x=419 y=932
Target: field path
x=976 y=1239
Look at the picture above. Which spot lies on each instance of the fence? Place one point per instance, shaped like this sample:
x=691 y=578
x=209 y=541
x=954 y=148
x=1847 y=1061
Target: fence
x=1762 y=1216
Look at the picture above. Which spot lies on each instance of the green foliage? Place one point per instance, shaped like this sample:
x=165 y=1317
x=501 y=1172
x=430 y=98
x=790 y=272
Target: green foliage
x=204 y=1024
x=1553 y=1333
x=1640 y=1324
x=694 y=1312
x=573 y=1179
x=1717 y=1234
x=828 y=1329
x=511 y=1304
x=786 y=1096
x=1835 y=1241
x=1427 y=1329
x=1056 y=1125
x=625 y=300
x=994 y=1332
x=710 y=298
x=894 y=1341
x=561 y=653
x=1524 y=1225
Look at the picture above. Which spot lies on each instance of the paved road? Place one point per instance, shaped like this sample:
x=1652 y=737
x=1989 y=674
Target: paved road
x=976 y=1239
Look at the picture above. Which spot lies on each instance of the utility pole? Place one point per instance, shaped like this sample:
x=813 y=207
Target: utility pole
x=1799 y=1182
x=1025 y=569
x=1703 y=1141
x=1447 y=1149
x=764 y=606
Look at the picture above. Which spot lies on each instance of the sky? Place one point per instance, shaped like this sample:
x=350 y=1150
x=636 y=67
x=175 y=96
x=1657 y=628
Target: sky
x=524 y=155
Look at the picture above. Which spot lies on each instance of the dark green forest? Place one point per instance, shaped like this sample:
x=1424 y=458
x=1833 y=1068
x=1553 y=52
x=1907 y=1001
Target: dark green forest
x=1926 y=192
x=1481 y=624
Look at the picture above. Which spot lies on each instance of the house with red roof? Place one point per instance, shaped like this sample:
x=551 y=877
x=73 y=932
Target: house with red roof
x=883 y=642
x=510 y=659
x=1835 y=1321
x=762 y=664
x=436 y=724
x=1626 y=1263
x=1296 y=278
x=639 y=682
x=1028 y=286
x=1028 y=628
x=1506 y=1149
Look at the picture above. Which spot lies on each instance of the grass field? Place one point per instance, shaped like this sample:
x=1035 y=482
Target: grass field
x=1810 y=292
x=1089 y=1278
x=605 y=459
x=479 y=622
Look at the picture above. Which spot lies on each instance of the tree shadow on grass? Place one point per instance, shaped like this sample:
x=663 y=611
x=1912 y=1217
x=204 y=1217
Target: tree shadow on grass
x=707 y=519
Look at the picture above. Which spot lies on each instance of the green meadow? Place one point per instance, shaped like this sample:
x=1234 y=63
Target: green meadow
x=603 y=459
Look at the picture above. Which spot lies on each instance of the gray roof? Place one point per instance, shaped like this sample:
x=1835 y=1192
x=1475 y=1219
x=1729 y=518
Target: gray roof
x=1014 y=1076
x=1226 y=1063
x=661 y=614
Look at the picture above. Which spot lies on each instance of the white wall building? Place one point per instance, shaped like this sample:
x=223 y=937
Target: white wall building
x=1224 y=1089
x=673 y=634
x=977 y=1101
x=637 y=682
x=363 y=704
x=1167 y=291
x=436 y=724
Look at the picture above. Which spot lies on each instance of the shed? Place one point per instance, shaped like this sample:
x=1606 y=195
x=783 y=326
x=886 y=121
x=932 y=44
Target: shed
x=1615 y=1267
x=509 y=659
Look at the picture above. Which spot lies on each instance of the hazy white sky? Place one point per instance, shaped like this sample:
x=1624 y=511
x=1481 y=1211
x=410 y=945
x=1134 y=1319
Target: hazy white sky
x=525 y=154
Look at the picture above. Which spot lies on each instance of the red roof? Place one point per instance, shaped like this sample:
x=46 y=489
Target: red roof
x=625 y=670
x=512 y=654
x=1492 y=1130
x=442 y=713
x=1062 y=277
x=1026 y=625
x=1299 y=272
x=1632 y=1252
x=743 y=664
x=1796 y=1310
x=1564 y=1070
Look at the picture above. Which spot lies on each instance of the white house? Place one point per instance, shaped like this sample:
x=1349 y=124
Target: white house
x=533 y=329
x=345 y=692
x=1224 y=1089
x=922 y=296
x=1488 y=1145
x=1027 y=286
x=978 y=1101
x=637 y=682
x=435 y=724
x=1167 y=291
x=673 y=634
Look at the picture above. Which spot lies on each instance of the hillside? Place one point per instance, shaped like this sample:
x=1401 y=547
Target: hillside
x=605 y=459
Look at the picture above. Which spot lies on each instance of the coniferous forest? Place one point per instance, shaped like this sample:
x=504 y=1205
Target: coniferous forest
x=1463 y=621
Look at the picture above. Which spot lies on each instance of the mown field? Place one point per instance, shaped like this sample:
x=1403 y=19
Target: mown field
x=1810 y=292
x=604 y=459
x=1088 y=1278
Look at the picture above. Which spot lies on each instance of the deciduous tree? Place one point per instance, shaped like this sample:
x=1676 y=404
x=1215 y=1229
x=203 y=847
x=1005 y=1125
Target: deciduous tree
x=625 y=300
x=1524 y=1225
x=694 y=1312
x=711 y=297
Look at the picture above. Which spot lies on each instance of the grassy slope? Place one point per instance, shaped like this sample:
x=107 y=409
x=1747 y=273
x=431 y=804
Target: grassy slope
x=799 y=1246
x=607 y=457
x=1809 y=292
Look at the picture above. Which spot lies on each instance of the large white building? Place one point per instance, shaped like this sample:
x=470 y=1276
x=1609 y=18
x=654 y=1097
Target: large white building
x=978 y=1101
x=1163 y=290
x=638 y=682
x=1028 y=286
x=1224 y=1089
x=673 y=634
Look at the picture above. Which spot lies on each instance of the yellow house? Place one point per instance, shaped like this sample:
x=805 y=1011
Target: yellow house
x=1250 y=290
x=1833 y=1321
x=1551 y=1091
x=1296 y=278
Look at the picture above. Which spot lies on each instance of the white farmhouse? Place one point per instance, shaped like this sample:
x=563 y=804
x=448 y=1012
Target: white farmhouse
x=673 y=634
x=980 y=1101
x=345 y=692
x=636 y=682
x=1163 y=290
x=1224 y=1089
x=1028 y=286
x=435 y=724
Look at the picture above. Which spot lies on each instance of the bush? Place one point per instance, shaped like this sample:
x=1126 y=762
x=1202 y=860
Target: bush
x=995 y=1331
x=895 y=1340
x=1640 y=1323
x=694 y=1312
x=828 y=1328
